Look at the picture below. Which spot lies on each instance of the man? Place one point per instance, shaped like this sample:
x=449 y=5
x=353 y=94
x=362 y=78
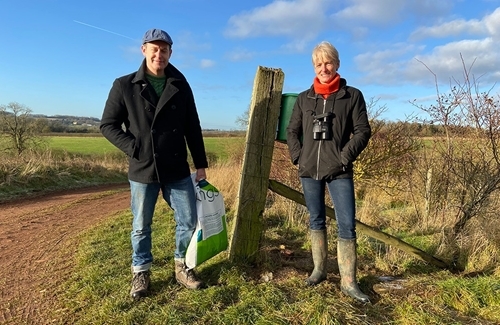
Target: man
x=151 y=115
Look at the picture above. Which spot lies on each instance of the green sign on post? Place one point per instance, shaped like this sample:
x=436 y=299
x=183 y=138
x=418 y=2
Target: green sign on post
x=287 y=102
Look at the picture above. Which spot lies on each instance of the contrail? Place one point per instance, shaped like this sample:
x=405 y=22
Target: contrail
x=79 y=22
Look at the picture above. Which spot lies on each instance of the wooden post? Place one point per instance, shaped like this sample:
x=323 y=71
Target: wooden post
x=262 y=127
x=428 y=191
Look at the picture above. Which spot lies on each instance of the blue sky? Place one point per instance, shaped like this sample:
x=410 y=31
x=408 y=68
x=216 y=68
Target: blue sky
x=60 y=57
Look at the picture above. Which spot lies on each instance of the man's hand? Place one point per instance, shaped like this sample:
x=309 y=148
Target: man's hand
x=200 y=174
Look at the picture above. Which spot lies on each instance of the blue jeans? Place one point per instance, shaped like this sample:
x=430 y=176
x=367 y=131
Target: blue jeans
x=181 y=197
x=342 y=194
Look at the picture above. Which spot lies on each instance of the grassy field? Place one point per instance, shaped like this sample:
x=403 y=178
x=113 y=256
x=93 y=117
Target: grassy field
x=269 y=292
x=98 y=145
x=79 y=161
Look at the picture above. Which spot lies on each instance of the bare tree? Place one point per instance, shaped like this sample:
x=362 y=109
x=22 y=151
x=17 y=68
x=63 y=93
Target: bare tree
x=243 y=119
x=467 y=156
x=386 y=159
x=17 y=125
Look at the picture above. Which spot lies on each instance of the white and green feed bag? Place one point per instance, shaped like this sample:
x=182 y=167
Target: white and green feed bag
x=210 y=235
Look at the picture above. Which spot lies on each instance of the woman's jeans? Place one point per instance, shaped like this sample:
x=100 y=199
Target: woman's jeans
x=342 y=194
x=181 y=197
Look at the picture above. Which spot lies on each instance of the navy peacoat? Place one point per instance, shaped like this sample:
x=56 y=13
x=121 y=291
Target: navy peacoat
x=153 y=132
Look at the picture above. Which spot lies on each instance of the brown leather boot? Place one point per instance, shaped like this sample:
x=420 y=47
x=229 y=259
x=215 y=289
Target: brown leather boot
x=140 y=285
x=186 y=276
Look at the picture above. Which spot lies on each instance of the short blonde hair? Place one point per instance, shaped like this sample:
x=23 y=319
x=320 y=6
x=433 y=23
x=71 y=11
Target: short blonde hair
x=327 y=52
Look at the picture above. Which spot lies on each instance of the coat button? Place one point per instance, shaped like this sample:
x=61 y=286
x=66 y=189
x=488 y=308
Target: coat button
x=156 y=155
x=174 y=107
x=153 y=131
x=174 y=130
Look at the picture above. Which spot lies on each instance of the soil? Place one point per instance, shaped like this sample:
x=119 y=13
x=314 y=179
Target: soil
x=35 y=241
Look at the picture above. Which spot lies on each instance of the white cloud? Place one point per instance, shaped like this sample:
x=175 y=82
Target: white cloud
x=410 y=62
x=361 y=19
x=387 y=66
x=402 y=63
x=188 y=41
x=379 y=12
x=488 y=26
x=387 y=12
x=452 y=28
x=295 y=19
x=299 y=45
x=492 y=23
x=429 y=9
x=240 y=54
x=206 y=63
x=446 y=60
x=132 y=53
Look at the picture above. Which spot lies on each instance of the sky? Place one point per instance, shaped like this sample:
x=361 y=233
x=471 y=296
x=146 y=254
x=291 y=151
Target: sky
x=60 y=57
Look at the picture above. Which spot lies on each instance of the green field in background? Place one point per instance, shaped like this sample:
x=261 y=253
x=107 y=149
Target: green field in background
x=99 y=145
x=81 y=145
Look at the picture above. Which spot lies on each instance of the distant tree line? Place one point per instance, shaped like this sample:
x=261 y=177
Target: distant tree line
x=23 y=130
x=56 y=126
x=414 y=129
x=67 y=124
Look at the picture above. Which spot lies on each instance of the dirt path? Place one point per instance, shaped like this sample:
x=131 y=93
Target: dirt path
x=33 y=233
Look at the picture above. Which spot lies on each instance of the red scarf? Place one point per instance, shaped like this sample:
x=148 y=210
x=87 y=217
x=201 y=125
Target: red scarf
x=326 y=89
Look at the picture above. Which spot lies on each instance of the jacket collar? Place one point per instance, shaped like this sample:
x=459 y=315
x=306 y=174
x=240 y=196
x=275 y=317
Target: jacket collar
x=171 y=72
x=172 y=75
x=340 y=94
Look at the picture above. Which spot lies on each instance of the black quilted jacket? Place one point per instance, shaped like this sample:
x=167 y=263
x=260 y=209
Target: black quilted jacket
x=328 y=159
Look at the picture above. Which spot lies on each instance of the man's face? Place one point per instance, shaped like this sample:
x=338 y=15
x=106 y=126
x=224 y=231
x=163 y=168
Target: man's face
x=157 y=54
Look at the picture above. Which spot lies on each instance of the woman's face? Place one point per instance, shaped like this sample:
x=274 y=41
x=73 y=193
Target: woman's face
x=325 y=69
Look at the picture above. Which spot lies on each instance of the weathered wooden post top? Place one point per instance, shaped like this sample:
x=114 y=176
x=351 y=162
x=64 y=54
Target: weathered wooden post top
x=263 y=119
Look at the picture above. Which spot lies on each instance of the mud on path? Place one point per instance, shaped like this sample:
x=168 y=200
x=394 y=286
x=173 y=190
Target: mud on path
x=36 y=252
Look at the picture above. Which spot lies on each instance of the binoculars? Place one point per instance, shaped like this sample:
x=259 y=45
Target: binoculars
x=322 y=126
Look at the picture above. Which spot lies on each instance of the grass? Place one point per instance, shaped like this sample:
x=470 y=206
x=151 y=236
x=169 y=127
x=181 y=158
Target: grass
x=223 y=147
x=474 y=296
x=80 y=161
x=98 y=291
x=269 y=292
x=99 y=145
x=37 y=172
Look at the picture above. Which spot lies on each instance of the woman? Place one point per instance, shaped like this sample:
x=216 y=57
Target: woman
x=328 y=129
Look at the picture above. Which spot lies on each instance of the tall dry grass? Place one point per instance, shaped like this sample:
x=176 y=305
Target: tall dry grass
x=399 y=210
x=401 y=213
x=42 y=170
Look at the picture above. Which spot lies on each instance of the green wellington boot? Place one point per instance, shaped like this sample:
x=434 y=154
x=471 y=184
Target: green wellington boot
x=346 y=251
x=319 y=248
